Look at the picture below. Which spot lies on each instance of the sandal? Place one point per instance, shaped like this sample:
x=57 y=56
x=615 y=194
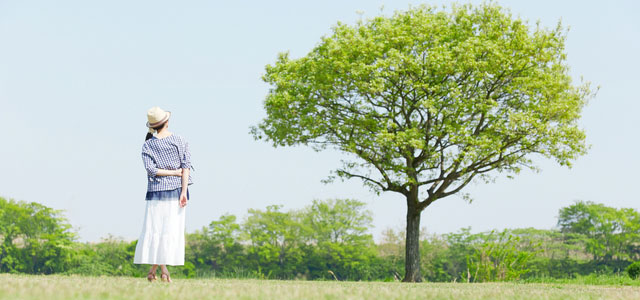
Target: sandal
x=165 y=277
x=152 y=277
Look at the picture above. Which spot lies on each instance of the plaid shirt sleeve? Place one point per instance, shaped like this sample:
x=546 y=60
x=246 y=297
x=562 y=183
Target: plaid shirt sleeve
x=149 y=162
x=185 y=158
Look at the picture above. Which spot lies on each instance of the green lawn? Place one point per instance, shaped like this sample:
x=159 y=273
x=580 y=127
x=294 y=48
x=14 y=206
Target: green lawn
x=77 y=287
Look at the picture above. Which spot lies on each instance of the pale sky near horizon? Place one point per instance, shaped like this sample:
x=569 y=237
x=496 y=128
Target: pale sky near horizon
x=76 y=79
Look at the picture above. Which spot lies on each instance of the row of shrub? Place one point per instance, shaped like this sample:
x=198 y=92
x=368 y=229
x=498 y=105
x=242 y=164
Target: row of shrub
x=330 y=240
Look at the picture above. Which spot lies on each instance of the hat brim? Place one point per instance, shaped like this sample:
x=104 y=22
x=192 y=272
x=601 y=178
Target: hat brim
x=164 y=120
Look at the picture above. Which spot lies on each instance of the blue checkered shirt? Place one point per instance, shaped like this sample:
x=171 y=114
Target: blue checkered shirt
x=169 y=153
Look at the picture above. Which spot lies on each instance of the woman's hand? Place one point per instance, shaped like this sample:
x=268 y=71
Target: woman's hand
x=183 y=199
x=185 y=186
x=177 y=172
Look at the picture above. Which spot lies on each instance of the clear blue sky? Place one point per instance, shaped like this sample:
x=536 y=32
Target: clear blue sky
x=76 y=79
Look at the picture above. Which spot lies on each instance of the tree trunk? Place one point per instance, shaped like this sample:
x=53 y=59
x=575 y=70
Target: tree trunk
x=412 y=247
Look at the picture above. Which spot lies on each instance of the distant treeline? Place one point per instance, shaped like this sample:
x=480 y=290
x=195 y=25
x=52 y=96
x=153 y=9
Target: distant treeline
x=329 y=240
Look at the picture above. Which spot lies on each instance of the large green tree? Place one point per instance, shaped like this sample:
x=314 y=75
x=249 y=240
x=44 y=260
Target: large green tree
x=427 y=100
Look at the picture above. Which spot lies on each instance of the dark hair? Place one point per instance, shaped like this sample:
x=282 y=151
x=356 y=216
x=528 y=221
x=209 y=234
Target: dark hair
x=149 y=135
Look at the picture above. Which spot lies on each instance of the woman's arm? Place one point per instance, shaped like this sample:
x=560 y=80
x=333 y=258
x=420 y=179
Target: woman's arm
x=185 y=185
x=163 y=172
x=150 y=165
x=185 y=164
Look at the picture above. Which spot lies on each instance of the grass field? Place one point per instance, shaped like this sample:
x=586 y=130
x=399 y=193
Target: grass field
x=77 y=287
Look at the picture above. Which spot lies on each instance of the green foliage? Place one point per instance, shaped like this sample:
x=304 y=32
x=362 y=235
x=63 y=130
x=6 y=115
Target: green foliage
x=275 y=239
x=326 y=240
x=611 y=233
x=337 y=239
x=34 y=238
x=324 y=236
x=111 y=256
x=498 y=258
x=217 y=248
x=429 y=97
x=461 y=246
x=435 y=259
x=633 y=270
x=337 y=221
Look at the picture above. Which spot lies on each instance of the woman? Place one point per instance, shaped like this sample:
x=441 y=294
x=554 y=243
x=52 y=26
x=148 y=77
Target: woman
x=167 y=160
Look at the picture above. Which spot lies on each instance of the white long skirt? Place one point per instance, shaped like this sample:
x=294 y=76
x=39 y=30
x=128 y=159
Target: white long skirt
x=162 y=239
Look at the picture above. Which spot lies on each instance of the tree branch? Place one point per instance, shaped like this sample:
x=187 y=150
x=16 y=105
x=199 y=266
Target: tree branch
x=367 y=179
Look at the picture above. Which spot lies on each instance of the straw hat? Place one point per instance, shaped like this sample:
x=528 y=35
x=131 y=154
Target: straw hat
x=156 y=116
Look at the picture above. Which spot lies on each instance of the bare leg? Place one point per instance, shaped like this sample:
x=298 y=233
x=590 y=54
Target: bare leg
x=165 y=273
x=152 y=273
